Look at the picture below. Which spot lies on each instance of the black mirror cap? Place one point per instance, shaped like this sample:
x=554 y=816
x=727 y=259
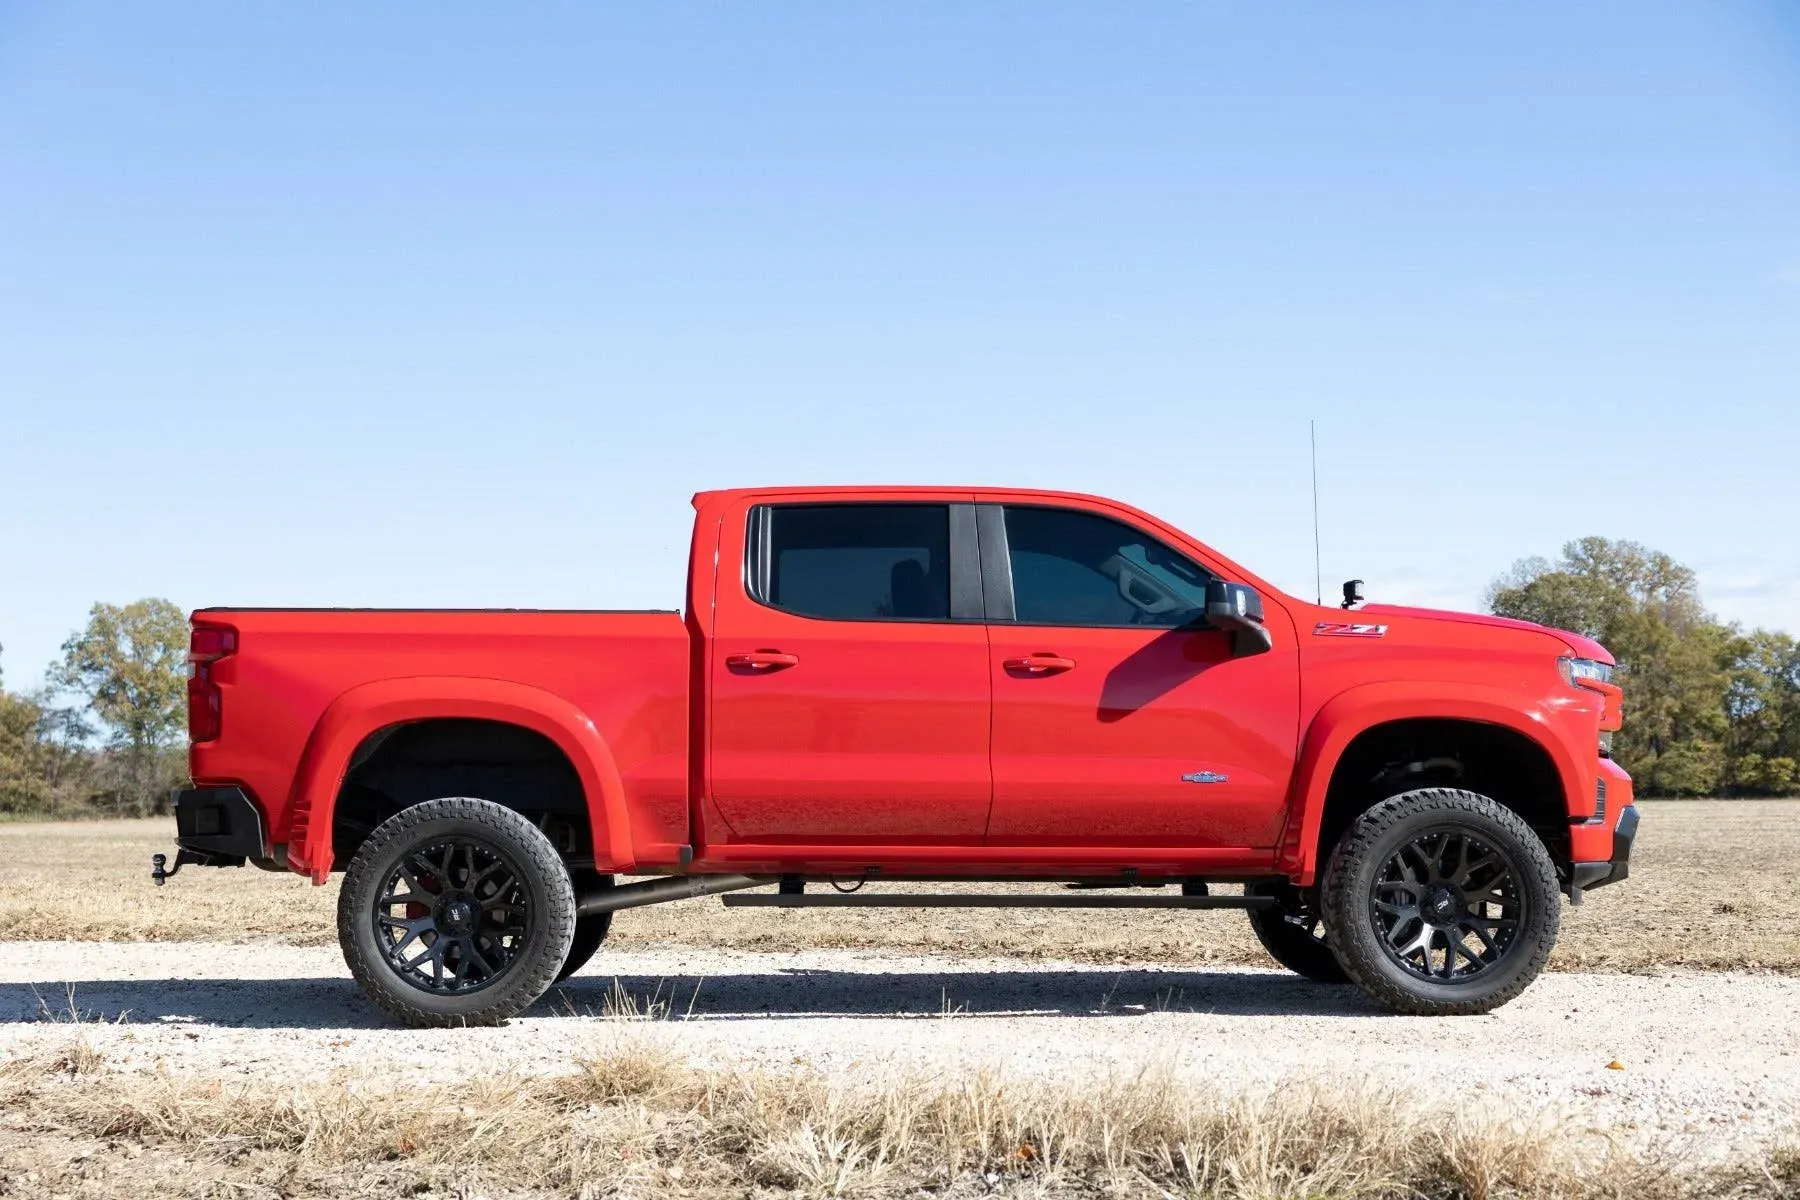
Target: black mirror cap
x=1254 y=640
x=1236 y=608
x=1231 y=604
x=1353 y=593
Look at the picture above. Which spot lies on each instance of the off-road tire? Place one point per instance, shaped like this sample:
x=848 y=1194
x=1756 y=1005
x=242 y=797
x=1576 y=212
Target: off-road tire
x=544 y=884
x=1296 y=947
x=589 y=931
x=1347 y=900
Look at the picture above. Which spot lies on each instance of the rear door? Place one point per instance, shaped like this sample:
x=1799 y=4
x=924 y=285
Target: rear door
x=1120 y=718
x=848 y=675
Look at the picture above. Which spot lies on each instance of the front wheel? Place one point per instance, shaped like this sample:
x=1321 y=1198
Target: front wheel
x=1293 y=933
x=1441 y=902
x=455 y=912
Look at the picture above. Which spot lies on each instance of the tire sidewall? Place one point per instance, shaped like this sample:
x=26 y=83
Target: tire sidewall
x=1292 y=945
x=590 y=931
x=549 y=897
x=1361 y=855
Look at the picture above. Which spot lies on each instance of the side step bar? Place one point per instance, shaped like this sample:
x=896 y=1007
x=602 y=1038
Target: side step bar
x=979 y=900
x=659 y=891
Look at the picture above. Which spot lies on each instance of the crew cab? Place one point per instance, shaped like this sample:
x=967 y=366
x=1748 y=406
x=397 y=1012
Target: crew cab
x=874 y=685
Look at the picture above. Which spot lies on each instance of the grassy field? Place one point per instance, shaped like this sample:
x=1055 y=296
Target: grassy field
x=636 y=1121
x=1710 y=889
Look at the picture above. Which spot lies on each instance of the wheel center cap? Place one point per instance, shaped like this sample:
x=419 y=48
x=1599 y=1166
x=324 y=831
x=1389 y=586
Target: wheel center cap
x=1442 y=905
x=458 y=912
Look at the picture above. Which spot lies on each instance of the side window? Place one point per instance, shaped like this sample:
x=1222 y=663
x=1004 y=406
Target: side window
x=1076 y=568
x=853 y=562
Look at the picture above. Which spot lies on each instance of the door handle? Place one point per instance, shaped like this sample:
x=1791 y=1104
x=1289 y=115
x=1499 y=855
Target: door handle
x=762 y=660
x=1043 y=663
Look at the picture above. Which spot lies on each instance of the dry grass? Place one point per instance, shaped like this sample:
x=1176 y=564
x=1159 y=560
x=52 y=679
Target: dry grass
x=90 y=881
x=1709 y=889
x=636 y=1122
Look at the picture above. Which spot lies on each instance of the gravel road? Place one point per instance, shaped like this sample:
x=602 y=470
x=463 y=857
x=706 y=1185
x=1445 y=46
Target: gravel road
x=1713 y=1059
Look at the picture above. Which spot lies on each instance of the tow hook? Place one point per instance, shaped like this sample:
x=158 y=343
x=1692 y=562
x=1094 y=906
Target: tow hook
x=157 y=872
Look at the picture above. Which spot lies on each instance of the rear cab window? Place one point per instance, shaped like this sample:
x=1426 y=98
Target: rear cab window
x=851 y=562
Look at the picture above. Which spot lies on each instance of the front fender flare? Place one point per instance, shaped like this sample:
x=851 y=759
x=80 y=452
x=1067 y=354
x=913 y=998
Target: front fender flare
x=1358 y=709
x=369 y=707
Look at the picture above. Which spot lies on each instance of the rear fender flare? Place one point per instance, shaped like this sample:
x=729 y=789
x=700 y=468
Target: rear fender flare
x=1356 y=710
x=369 y=707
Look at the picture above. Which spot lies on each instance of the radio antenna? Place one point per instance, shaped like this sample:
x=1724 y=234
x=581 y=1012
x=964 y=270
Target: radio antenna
x=1312 y=430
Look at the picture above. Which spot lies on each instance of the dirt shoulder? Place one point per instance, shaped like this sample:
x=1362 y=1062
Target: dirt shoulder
x=1712 y=1059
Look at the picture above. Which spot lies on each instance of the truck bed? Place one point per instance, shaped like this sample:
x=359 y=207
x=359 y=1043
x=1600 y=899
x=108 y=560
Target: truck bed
x=296 y=675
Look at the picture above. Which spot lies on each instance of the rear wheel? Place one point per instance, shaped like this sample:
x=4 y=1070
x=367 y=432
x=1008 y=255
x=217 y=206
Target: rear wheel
x=1441 y=902
x=455 y=912
x=1293 y=933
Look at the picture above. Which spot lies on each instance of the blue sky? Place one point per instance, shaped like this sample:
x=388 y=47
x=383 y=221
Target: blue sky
x=407 y=304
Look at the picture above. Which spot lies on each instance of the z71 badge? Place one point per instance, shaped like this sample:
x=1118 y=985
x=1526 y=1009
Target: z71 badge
x=1204 y=777
x=1348 y=629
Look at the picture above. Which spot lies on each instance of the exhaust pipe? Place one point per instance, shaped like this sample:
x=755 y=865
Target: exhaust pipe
x=661 y=891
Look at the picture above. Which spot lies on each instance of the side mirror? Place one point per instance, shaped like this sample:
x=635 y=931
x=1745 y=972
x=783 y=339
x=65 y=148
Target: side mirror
x=1237 y=608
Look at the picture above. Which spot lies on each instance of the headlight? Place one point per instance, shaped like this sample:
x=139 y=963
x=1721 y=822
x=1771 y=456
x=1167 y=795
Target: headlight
x=1606 y=743
x=1574 y=670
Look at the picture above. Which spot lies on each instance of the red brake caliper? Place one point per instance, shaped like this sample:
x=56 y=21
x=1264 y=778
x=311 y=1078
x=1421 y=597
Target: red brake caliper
x=415 y=910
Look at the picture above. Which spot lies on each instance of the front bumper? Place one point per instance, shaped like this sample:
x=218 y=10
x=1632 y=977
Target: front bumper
x=1586 y=875
x=218 y=827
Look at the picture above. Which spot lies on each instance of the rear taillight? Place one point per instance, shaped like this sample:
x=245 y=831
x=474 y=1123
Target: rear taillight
x=206 y=646
x=209 y=643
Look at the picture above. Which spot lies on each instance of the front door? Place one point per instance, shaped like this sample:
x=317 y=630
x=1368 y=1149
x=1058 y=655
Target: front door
x=848 y=677
x=1119 y=717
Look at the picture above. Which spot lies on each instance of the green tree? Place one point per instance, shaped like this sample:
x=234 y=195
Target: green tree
x=1676 y=663
x=129 y=664
x=1763 y=704
x=22 y=786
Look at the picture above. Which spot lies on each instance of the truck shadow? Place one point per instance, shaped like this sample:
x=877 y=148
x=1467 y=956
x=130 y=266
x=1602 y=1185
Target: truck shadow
x=801 y=993
x=797 y=994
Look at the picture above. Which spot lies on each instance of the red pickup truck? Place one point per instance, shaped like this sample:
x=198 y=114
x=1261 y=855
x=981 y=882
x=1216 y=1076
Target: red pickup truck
x=915 y=685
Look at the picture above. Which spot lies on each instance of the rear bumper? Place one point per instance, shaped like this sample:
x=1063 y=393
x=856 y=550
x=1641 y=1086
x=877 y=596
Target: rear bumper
x=219 y=826
x=1586 y=875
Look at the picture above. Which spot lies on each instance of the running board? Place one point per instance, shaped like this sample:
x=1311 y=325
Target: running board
x=980 y=900
x=661 y=891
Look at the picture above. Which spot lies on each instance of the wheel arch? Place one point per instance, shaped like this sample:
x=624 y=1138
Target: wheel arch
x=1362 y=716
x=367 y=712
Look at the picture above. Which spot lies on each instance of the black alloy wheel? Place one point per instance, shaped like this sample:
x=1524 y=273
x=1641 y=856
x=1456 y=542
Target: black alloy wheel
x=1448 y=905
x=452 y=916
x=1441 y=902
x=456 y=912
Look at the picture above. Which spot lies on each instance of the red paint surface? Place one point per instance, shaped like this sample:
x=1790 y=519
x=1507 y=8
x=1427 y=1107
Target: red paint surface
x=777 y=742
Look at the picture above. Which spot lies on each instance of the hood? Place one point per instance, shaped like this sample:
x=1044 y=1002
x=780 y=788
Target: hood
x=1581 y=645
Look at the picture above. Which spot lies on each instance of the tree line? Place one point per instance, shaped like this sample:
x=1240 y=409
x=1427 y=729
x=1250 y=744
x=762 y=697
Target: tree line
x=1710 y=708
x=104 y=733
